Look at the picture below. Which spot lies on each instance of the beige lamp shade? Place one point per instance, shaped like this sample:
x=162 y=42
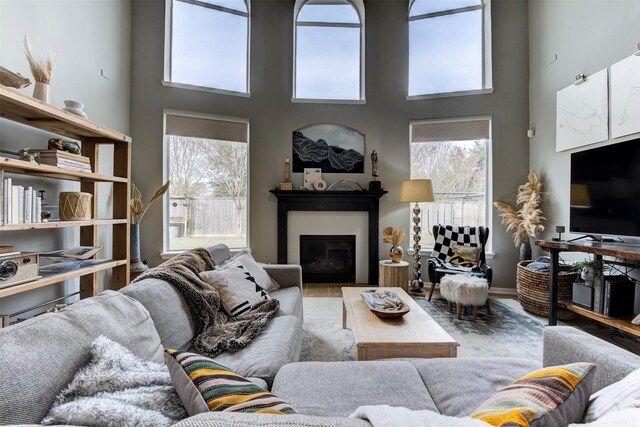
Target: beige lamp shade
x=417 y=190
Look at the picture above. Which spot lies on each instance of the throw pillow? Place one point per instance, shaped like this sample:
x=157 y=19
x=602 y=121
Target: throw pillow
x=260 y=274
x=615 y=397
x=553 y=396
x=205 y=385
x=465 y=256
x=238 y=289
x=117 y=387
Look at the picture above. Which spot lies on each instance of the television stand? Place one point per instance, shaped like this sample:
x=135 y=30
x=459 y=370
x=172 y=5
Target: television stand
x=617 y=250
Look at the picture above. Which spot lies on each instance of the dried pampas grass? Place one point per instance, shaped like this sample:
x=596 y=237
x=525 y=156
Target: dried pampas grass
x=42 y=70
x=526 y=222
x=393 y=236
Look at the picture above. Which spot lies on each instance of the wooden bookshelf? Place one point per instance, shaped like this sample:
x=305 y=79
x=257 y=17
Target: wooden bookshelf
x=29 y=111
x=618 y=323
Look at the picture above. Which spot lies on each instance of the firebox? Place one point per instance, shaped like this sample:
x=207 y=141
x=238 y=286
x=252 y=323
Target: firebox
x=328 y=259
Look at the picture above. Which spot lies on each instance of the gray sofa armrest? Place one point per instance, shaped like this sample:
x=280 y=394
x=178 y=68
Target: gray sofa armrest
x=564 y=344
x=232 y=419
x=287 y=275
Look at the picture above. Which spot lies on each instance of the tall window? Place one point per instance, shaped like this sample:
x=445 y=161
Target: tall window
x=206 y=159
x=328 y=46
x=210 y=44
x=449 y=46
x=455 y=155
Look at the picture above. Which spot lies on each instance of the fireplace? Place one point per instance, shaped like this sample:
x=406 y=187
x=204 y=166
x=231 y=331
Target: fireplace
x=328 y=259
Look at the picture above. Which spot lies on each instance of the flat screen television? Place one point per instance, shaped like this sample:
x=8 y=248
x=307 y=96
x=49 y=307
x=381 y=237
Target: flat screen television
x=605 y=190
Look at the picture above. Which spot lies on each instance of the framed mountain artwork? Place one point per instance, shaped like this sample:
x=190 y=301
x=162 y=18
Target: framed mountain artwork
x=332 y=148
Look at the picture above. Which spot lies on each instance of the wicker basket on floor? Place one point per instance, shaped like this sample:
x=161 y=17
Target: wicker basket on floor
x=533 y=290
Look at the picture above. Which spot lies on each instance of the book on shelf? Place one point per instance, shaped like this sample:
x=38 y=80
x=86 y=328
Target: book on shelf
x=6 y=249
x=66 y=163
x=58 y=154
x=18 y=205
x=78 y=252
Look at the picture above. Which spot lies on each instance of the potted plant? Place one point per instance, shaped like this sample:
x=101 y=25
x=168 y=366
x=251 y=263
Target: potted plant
x=590 y=271
x=526 y=221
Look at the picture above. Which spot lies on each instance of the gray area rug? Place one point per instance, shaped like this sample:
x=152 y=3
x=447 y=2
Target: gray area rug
x=508 y=332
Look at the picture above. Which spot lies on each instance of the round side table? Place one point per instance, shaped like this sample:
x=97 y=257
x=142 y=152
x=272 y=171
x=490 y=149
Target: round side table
x=394 y=274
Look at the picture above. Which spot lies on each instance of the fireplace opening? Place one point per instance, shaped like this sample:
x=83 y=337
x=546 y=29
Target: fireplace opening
x=328 y=259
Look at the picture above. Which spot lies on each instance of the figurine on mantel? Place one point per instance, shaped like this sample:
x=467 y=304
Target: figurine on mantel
x=286 y=185
x=374 y=185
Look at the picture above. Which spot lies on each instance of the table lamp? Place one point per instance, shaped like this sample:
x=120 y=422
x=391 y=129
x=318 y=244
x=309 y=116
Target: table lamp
x=416 y=190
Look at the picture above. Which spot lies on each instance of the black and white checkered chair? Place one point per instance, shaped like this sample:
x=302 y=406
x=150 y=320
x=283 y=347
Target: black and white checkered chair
x=446 y=237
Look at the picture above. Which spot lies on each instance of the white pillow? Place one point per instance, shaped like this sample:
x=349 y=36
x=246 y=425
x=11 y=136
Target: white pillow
x=262 y=277
x=626 y=418
x=238 y=289
x=615 y=397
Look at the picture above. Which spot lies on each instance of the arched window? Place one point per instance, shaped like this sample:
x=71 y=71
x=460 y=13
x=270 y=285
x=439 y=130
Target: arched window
x=209 y=44
x=329 y=50
x=449 y=46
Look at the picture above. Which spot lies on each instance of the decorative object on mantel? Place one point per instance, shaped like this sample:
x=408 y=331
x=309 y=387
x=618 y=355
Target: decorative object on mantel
x=138 y=209
x=375 y=184
x=385 y=304
x=346 y=181
x=286 y=185
x=393 y=236
x=313 y=179
x=416 y=190
x=42 y=71
x=75 y=206
x=11 y=79
x=527 y=220
x=332 y=148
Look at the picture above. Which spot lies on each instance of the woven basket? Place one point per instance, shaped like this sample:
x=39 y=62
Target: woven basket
x=75 y=206
x=533 y=290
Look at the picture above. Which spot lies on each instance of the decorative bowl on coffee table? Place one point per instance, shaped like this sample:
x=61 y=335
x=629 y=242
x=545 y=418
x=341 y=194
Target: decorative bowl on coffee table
x=385 y=308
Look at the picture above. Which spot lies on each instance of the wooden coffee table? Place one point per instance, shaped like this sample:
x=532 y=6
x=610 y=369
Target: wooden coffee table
x=415 y=334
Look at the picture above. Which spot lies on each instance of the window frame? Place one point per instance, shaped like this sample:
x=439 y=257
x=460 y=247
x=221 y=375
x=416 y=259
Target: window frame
x=168 y=55
x=487 y=78
x=358 y=5
x=488 y=171
x=166 y=252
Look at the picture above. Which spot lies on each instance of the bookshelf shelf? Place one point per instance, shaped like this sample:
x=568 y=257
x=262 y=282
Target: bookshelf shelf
x=618 y=323
x=61 y=224
x=21 y=108
x=57 y=278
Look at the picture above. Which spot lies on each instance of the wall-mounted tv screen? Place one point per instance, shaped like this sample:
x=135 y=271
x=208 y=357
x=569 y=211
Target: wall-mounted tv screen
x=605 y=190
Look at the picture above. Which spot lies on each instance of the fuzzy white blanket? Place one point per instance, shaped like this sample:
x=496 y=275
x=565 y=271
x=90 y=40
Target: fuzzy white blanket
x=117 y=388
x=392 y=416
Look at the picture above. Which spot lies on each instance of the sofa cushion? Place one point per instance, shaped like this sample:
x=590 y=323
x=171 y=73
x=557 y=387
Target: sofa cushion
x=553 y=396
x=231 y=419
x=339 y=388
x=290 y=301
x=278 y=344
x=480 y=377
x=205 y=385
x=41 y=355
x=168 y=309
x=238 y=289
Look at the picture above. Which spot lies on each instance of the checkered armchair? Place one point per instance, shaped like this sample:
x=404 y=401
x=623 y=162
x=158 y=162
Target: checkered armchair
x=446 y=237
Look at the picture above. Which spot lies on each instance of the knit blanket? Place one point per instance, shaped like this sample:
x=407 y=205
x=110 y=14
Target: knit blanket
x=216 y=331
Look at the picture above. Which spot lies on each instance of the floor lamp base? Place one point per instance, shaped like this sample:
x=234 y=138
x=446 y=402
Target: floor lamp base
x=417 y=288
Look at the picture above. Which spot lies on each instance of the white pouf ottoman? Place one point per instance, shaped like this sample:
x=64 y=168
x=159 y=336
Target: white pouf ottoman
x=464 y=290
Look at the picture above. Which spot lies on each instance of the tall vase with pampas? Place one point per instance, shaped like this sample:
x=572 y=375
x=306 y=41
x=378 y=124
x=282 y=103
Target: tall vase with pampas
x=42 y=70
x=527 y=220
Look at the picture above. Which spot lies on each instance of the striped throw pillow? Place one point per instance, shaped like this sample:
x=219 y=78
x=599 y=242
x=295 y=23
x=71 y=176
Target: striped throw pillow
x=205 y=385
x=553 y=396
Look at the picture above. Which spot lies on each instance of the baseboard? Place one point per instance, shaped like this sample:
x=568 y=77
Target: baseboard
x=493 y=291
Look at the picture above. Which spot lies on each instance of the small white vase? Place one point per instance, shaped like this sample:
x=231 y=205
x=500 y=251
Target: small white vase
x=42 y=91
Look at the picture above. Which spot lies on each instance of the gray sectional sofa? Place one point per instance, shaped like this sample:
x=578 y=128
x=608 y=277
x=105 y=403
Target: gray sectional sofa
x=39 y=357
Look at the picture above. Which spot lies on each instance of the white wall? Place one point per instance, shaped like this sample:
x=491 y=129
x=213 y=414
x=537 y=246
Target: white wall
x=384 y=119
x=84 y=37
x=586 y=37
